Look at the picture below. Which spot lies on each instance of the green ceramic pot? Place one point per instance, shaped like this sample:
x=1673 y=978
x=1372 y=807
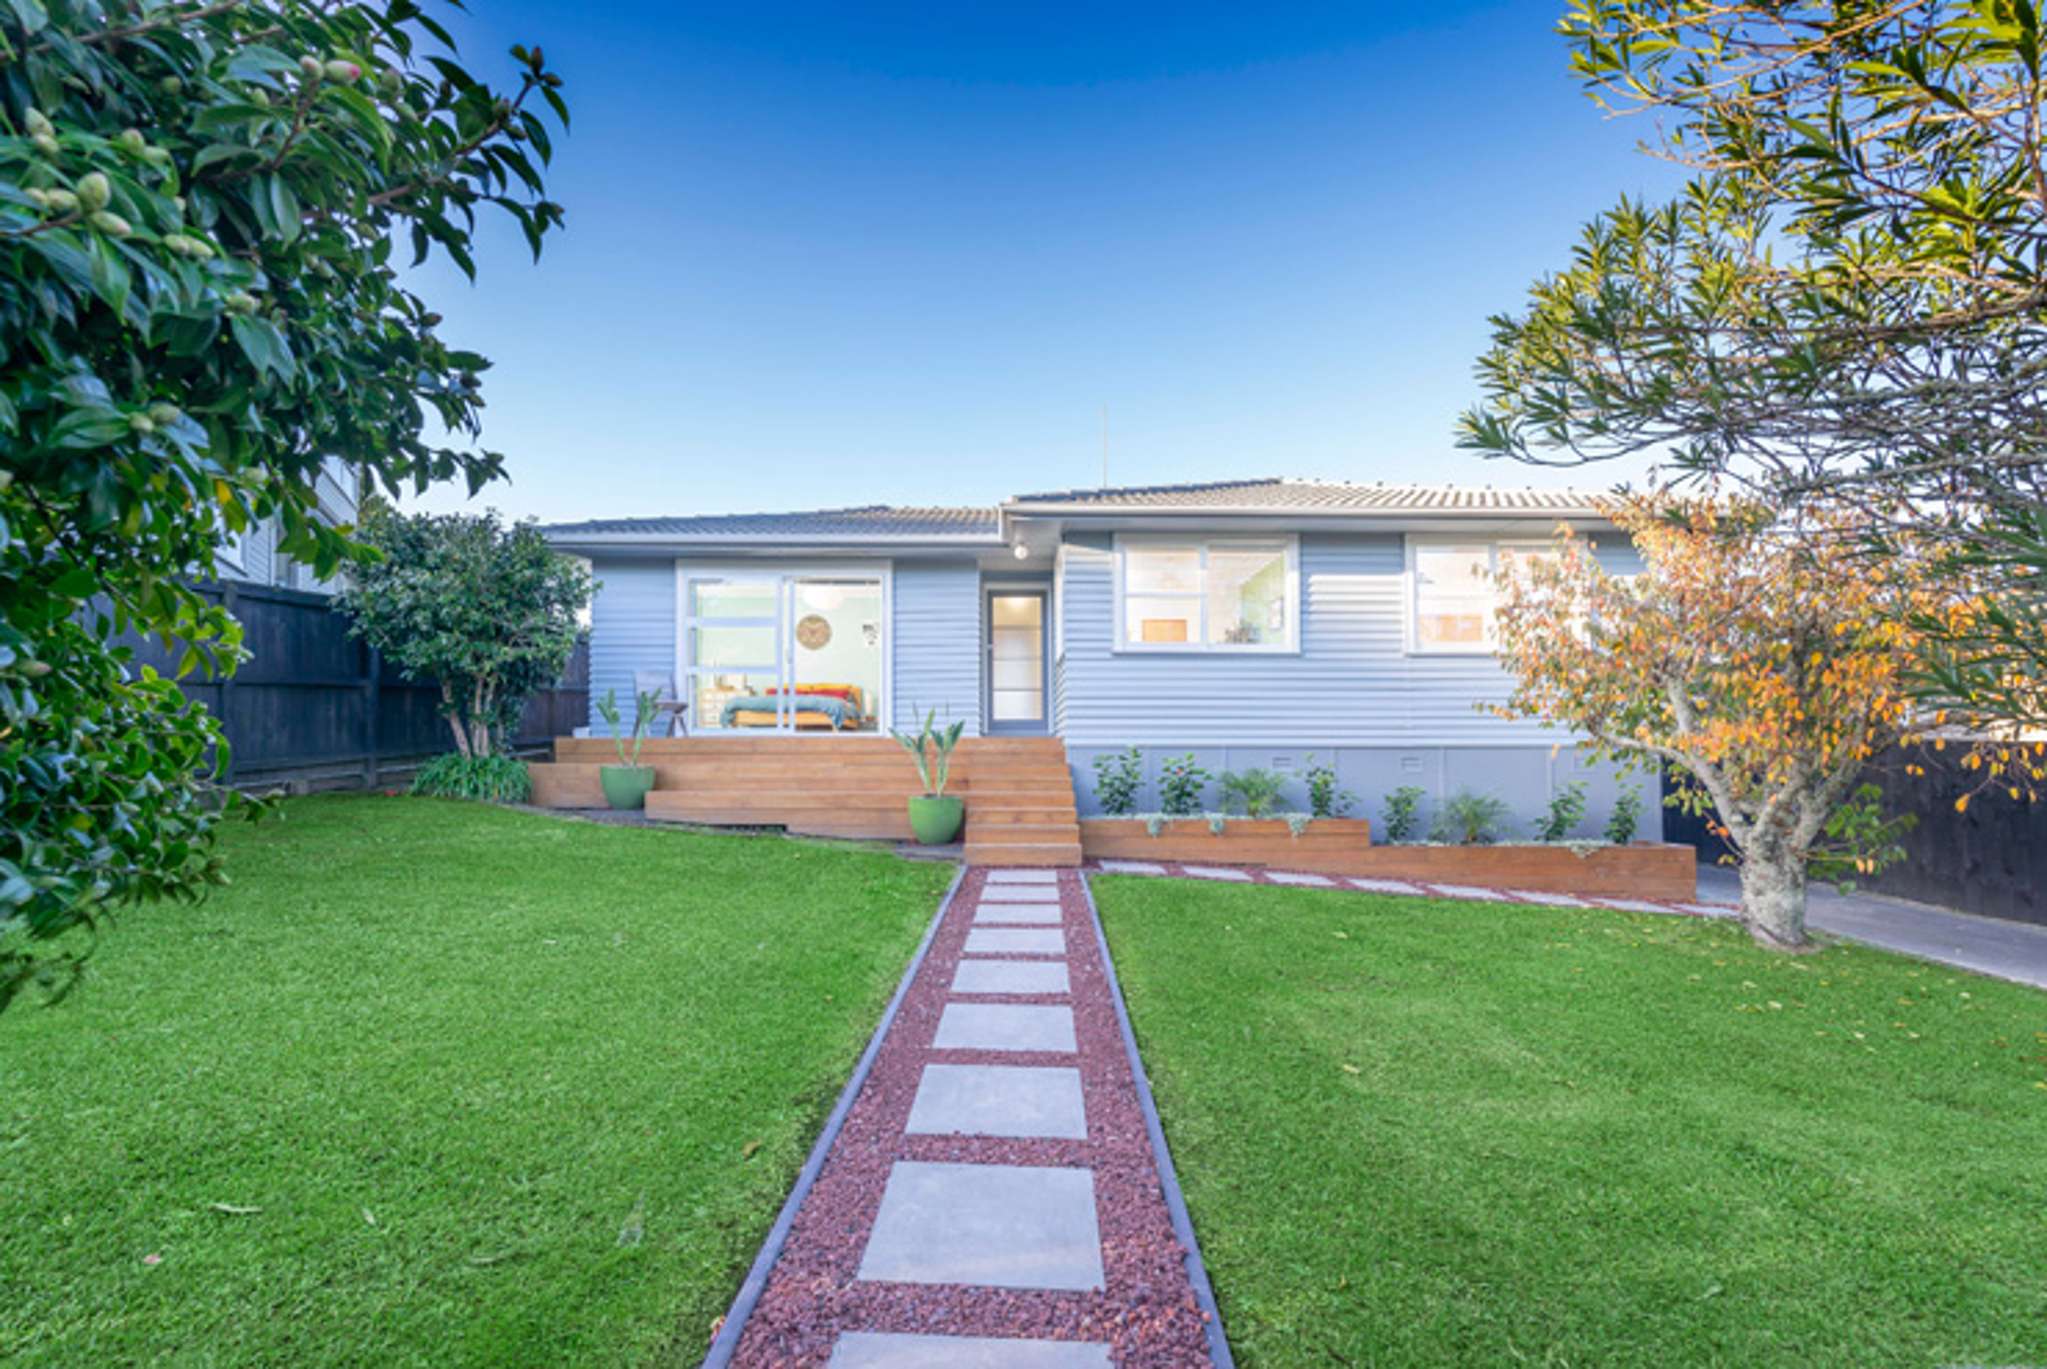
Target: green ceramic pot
x=936 y=821
x=625 y=786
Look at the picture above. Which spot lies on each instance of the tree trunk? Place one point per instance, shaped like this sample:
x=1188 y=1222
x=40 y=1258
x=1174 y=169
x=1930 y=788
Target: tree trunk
x=454 y=720
x=1773 y=896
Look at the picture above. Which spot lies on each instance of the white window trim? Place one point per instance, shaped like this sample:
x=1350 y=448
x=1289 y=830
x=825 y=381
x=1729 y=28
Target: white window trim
x=1411 y=588
x=1289 y=543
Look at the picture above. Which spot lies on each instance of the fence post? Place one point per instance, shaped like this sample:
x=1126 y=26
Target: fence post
x=372 y=696
x=226 y=689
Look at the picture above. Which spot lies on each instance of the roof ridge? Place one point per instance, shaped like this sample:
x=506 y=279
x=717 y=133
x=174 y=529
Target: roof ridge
x=1162 y=487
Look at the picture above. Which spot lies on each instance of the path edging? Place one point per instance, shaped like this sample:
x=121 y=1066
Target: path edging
x=1169 y=1179
x=726 y=1343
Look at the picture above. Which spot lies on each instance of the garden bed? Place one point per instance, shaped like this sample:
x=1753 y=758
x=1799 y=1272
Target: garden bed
x=1244 y=841
x=1343 y=846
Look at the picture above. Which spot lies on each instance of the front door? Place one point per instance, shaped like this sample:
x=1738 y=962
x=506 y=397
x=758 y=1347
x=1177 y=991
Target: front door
x=1018 y=682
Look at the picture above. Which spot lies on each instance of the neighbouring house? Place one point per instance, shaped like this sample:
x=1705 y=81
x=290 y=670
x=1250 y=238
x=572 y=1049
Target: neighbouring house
x=253 y=557
x=1269 y=623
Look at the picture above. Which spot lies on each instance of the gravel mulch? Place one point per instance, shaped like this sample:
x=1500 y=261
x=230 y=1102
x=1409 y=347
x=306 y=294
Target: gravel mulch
x=1148 y=1313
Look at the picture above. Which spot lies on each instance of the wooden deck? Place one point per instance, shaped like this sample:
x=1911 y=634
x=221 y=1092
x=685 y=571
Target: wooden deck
x=1018 y=790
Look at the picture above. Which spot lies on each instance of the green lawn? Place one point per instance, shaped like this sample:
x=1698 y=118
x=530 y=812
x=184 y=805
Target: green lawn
x=1418 y=1132
x=437 y=1083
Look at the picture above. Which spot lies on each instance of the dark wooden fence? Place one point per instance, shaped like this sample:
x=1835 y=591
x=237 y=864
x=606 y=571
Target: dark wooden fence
x=314 y=708
x=1990 y=859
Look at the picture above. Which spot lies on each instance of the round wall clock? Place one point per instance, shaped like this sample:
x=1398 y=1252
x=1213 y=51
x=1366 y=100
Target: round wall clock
x=812 y=632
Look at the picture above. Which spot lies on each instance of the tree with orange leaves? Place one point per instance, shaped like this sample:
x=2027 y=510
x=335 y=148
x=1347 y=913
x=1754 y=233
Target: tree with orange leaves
x=1766 y=668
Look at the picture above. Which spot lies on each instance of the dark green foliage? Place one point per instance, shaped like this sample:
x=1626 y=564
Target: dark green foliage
x=1327 y=799
x=1181 y=785
x=1571 y=1136
x=438 y=1083
x=200 y=303
x=1403 y=814
x=492 y=778
x=1118 y=777
x=1626 y=817
x=486 y=611
x=1566 y=811
x=1256 y=791
x=1860 y=840
x=1472 y=819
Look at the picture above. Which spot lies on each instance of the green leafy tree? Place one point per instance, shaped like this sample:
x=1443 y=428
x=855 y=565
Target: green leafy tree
x=203 y=208
x=487 y=612
x=1847 y=300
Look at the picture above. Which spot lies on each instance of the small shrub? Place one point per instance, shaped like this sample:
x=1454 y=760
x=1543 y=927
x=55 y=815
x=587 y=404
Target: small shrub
x=1154 y=823
x=1181 y=785
x=1325 y=798
x=1297 y=823
x=1257 y=790
x=1470 y=819
x=1218 y=823
x=1627 y=815
x=1566 y=811
x=1118 y=777
x=492 y=779
x=1404 y=813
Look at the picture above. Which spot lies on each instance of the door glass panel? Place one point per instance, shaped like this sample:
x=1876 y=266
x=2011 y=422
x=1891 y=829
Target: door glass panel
x=835 y=655
x=732 y=598
x=734 y=698
x=1016 y=659
x=735 y=646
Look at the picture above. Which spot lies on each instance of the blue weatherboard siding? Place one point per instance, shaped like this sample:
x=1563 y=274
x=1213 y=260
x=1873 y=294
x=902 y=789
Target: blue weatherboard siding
x=937 y=622
x=632 y=626
x=1351 y=684
x=1351 y=698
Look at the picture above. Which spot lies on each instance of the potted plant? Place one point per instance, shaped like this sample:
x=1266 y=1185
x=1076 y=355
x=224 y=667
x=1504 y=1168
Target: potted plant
x=934 y=817
x=626 y=784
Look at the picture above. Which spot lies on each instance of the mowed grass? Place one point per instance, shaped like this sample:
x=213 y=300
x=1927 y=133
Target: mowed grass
x=1425 y=1132
x=437 y=1083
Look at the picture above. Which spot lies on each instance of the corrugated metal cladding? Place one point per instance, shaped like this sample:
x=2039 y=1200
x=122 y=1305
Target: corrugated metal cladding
x=1352 y=684
x=937 y=624
x=632 y=626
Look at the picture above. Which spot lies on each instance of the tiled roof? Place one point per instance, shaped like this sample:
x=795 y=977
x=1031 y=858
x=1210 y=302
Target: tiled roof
x=1280 y=495
x=876 y=521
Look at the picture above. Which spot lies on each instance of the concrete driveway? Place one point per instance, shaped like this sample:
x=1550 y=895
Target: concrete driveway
x=1988 y=945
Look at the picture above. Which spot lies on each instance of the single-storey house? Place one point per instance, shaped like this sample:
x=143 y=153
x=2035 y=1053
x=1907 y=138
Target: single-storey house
x=1270 y=623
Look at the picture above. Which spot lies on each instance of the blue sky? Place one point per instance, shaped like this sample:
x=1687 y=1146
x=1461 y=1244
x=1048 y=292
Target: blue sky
x=824 y=254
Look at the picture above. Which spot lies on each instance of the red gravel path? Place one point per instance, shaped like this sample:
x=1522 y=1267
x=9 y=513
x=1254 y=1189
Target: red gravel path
x=1147 y=1313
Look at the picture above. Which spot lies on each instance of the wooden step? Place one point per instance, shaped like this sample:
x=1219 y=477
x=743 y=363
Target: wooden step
x=1020 y=815
x=1049 y=854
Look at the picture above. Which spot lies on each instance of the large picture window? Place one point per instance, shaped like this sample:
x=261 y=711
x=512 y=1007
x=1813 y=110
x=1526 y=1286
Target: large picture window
x=1453 y=593
x=1207 y=594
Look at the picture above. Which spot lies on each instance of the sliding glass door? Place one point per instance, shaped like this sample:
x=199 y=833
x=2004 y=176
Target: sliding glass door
x=788 y=652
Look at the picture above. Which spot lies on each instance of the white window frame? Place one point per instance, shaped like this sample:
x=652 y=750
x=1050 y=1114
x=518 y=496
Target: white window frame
x=1412 y=591
x=687 y=569
x=1125 y=543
